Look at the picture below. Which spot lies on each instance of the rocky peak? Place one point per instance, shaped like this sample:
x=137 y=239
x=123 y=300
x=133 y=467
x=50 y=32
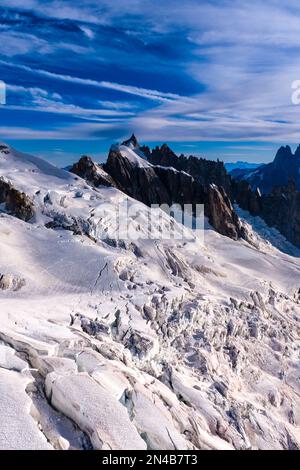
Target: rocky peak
x=160 y=184
x=164 y=156
x=91 y=172
x=132 y=142
x=137 y=180
x=279 y=172
x=283 y=156
x=204 y=171
x=297 y=154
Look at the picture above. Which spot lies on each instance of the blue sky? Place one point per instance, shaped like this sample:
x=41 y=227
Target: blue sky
x=211 y=78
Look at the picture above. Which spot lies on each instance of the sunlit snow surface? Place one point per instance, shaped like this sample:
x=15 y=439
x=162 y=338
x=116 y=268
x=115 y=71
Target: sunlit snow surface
x=152 y=344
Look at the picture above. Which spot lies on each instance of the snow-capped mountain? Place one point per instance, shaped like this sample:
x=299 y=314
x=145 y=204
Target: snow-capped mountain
x=136 y=343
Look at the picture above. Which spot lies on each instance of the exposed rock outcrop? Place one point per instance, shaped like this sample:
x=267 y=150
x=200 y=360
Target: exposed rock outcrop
x=221 y=214
x=11 y=282
x=132 y=142
x=156 y=184
x=92 y=172
x=204 y=171
x=4 y=149
x=284 y=168
x=16 y=202
x=139 y=182
x=246 y=198
x=279 y=209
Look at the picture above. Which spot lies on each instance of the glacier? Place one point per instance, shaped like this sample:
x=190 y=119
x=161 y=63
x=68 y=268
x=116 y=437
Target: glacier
x=156 y=344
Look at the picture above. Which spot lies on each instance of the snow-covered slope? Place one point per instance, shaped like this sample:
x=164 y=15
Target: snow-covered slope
x=133 y=156
x=142 y=343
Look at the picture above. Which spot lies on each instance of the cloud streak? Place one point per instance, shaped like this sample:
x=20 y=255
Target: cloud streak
x=171 y=71
x=127 y=89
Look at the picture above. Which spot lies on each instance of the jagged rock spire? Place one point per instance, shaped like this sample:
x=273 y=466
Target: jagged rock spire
x=132 y=142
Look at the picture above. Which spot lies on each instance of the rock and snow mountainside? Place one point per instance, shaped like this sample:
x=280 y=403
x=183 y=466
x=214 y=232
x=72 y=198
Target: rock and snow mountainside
x=204 y=171
x=121 y=344
x=284 y=168
x=159 y=184
x=270 y=191
x=279 y=209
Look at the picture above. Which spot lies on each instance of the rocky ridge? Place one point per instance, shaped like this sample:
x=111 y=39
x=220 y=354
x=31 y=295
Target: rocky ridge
x=279 y=209
x=159 y=184
x=279 y=173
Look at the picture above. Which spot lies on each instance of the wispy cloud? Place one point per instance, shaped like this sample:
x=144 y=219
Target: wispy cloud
x=142 y=92
x=127 y=89
x=182 y=71
x=40 y=100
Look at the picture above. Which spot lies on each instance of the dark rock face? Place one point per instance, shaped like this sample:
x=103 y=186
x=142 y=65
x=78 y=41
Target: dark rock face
x=142 y=184
x=92 y=173
x=77 y=225
x=163 y=156
x=169 y=179
x=132 y=142
x=16 y=202
x=203 y=171
x=221 y=214
x=4 y=149
x=152 y=184
x=272 y=192
x=246 y=198
x=181 y=187
x=284 y=168
x=279 y=209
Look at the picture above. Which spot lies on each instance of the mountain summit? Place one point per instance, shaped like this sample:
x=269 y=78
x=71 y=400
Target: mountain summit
x=132 y=142
x=284 y=168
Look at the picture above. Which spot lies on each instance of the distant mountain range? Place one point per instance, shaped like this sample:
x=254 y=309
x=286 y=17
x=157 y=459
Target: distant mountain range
x=284 y=169
x=233 y=166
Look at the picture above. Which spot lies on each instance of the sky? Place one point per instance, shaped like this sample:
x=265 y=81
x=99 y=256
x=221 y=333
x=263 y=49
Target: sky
x=211 y=78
